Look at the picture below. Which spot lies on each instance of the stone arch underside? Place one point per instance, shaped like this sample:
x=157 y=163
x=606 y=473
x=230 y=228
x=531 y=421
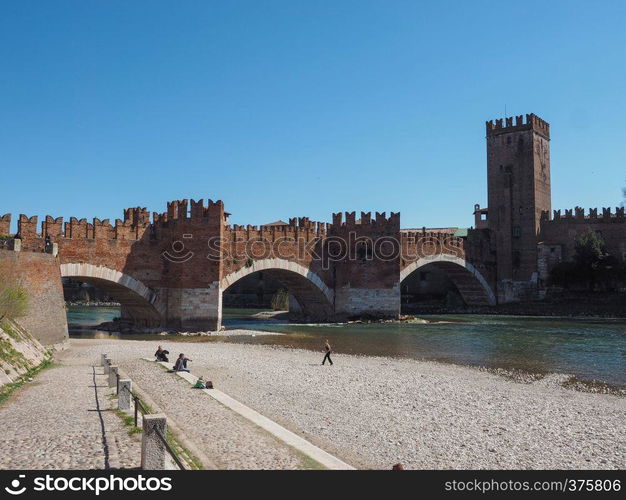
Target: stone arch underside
x=313 y=296
x=471 y=284
x=139 y=303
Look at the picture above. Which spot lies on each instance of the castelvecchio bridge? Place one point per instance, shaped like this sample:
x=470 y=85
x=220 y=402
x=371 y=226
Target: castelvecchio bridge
x=171 y=269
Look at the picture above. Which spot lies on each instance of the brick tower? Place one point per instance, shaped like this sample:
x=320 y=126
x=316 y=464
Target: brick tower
x=518 y=175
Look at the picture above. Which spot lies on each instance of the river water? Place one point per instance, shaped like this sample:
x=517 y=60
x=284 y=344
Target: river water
x=591 y=349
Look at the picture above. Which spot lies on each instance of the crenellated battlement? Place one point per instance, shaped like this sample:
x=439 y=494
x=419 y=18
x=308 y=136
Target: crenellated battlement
x=189 y=209
x=506 y=125
x=381 y=220
x=137 y=215
x=5 y=225
x=131 y=227
x=298 y=228
x=579 y=214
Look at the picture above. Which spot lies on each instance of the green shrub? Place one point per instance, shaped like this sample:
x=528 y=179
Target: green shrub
x=13 y=298
x=591 y=266
x=280 y=300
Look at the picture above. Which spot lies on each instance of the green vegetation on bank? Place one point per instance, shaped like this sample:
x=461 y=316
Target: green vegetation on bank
x=7 y=389
x=13 y=298
x=12 y=357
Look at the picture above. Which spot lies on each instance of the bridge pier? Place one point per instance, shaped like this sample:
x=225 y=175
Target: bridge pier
x=379 y=303
x=194 y=309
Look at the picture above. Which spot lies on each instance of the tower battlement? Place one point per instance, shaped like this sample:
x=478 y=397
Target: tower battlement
x=505 y=125
x=137 y=216
x=381 y=220
x=189 y=209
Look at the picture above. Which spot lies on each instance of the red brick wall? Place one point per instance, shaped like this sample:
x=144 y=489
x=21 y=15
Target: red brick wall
x=40 y=276
x=518 y=176
x=562 y=229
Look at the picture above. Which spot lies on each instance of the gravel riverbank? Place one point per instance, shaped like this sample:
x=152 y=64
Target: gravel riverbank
x=64 y=419
x=375 y=411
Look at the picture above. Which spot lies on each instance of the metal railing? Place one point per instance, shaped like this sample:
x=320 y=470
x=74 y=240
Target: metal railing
x=140 y=407
x=169 y=449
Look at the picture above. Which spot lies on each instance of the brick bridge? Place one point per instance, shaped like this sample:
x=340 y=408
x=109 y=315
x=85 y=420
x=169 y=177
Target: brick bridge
x=172 y=271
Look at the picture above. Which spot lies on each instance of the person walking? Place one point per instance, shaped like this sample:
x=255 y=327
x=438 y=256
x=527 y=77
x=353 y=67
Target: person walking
x=328 y=350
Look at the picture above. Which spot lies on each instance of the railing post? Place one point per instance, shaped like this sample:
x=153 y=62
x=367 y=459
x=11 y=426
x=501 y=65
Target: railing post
x=112 y=375
x=107 y=364
x=152 y=448
x=136 y=409
x=117 y=382
x=123 y=394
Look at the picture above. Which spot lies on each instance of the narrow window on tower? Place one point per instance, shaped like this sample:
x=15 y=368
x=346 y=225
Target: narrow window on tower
x=517 y=231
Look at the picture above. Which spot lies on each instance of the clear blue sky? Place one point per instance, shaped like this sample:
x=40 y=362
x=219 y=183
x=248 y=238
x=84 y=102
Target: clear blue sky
x=292 y=108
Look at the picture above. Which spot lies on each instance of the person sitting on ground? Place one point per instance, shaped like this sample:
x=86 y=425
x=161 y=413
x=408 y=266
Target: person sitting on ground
x=199 y=384
x=158 y=353
x=161 y=355
x=181 y=363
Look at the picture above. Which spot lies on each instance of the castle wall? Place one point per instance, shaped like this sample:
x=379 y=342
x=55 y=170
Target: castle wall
x=40 y=275
x=560 y=232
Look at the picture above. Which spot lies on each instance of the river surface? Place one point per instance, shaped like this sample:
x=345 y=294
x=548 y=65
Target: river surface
x=589 y=348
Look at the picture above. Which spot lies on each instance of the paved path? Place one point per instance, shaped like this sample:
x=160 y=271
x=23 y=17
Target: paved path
x=62 y=420
x=229 y=440
x=279 y=432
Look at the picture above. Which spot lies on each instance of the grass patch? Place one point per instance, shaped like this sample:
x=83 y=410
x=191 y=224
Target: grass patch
x=4 y=324
x=13 y=357
x=308 y=462
x=7 y=389
x=128 y=421
x=183 y=453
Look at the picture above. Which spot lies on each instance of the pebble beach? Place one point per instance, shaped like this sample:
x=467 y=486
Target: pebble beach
x=373 y=412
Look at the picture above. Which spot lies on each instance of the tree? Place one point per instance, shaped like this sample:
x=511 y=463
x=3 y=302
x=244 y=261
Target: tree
x=591 y=264
x=590 y=249
x=280 y=300
x=590 y=252
x=13 y=298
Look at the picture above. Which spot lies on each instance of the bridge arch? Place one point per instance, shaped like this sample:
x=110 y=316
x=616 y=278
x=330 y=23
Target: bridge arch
x=314 y=297
x=470 y=282
x=139 y=302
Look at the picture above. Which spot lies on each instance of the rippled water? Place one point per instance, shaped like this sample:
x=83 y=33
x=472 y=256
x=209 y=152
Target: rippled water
x=591 y=349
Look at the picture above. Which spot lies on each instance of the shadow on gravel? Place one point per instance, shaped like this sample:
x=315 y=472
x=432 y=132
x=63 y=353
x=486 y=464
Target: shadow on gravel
x=105 y=444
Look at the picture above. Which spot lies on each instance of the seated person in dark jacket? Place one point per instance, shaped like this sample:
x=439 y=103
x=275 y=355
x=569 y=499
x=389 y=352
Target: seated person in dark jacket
x=161 y=355
x=181 y=363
